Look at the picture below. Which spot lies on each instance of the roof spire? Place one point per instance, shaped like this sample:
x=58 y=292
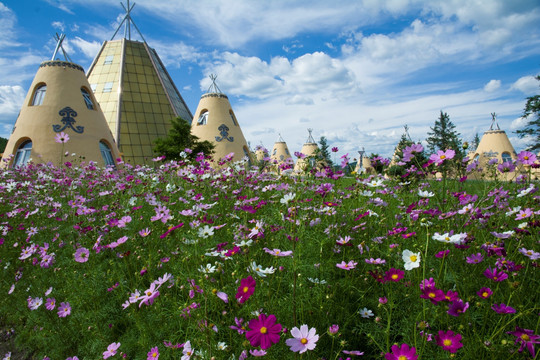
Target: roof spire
x=128 y=22
x=310 y=138
x=59 y=39
x=494 y=121
x=213 y=88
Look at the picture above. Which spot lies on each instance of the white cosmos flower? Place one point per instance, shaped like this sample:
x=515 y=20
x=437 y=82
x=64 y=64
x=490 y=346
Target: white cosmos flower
x=452 y=239
x=260 y=271
x=206 y=231
x=425 y=194
x=209 y=269
x=286 y=198
x=412 y=260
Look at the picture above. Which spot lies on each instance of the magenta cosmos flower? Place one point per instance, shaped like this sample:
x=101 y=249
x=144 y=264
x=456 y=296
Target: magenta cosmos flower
x=64 y=309
x=394 y=275
x=526 y=338
x=403 y=352
x=495 y=274
x=264 y=331
x=441 y=156
x=111 y=350
x=502 y=308
x=484 y=292
x=304 y=339
x=81 y=255
x=153 y=353
x=449 y=341
x=246 y=289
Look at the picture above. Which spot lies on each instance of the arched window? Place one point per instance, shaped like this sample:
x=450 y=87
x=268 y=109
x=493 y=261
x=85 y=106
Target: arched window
x=476 y=157
x=203 y=119
x=506 y=157
x=233 y=118
x=39 y=95
x=23 y=154
x=87 y=99
x=106 y=153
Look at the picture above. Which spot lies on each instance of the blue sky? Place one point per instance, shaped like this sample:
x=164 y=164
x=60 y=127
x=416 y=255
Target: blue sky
x=355 y=72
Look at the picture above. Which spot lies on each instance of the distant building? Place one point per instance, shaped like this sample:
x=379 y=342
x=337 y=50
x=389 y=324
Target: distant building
x=309 y=152
x=280 y=153
x=136 y=93
x=216 y=122
x=60 y=102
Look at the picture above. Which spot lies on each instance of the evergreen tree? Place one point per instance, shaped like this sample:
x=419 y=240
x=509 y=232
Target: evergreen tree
x=475 y=142
x=532 y=129
x=324 y=152
x=443 y=136
x=180 y=138
x=3 y=143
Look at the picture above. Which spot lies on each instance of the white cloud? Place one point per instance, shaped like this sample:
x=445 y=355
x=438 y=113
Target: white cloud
x=89 y=48
x=519 y=123
x=58 y=25
x=492 y=85
x=527 y=85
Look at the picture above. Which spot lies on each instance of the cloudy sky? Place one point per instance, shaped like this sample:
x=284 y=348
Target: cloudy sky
x=354 y=71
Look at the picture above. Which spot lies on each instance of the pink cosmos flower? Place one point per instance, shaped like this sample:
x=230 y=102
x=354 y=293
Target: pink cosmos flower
x=394 y=275
x=484 y=292
x=34 y=303
x=264 y=331
x=475 y=259
x=111 y=350
x=50 y=304
x=223 y=296
x=153 y=354
x=150 y=295
x=526 y=157
x=495 y=274
x=257 y=353
x=64 y=309
x=377 y=261
x=145 y=232
x=278 y=252
x=526 y=338
x=503 y=309
x=457 y=307
x=238 y=327
x=304 y=339
x=433 y=294
x=403 y=352
x=441 y=156
x=524 y=214
x=61 y=138
x=81 y=255
x=449 y=341
x=347 y=266
x=246 y=289
x=408 y=152
x=187 y=351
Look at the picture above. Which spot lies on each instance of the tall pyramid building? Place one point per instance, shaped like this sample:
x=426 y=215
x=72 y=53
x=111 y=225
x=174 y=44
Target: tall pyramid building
x=136 y=94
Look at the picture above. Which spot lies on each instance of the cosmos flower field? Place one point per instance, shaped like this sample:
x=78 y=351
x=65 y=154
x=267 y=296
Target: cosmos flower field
x=178 y=261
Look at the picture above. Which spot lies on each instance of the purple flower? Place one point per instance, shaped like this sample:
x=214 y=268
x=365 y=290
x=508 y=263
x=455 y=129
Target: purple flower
x=458 y=307
x=403 y=352
x=503 y=309
x=81 y=255
x=408 y=152
x=484 y=292
x=333 y=329
x=153 y=353
x=61 y=138
x=526 y=157
x=64 y=309
x=111 y=350
x=526 y=338
x=507 y=166
x=495 y=274
x=50 y=304
x=347 y=266
x=238 y=327
x=441 y=156
x=449 y=341
x=303 y=339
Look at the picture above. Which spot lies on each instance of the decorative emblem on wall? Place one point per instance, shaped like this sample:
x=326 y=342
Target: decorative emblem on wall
x=224 y=131
x=68 y=115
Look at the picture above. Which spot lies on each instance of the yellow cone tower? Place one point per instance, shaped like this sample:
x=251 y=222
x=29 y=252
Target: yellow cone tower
x=137 y=95
x=309 y=150
x=216 y=122
x=59 y=103
x=280 y=152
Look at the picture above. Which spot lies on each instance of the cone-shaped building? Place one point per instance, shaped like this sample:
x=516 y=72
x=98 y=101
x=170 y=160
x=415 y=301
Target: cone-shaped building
x=136 y=94
x=60 y=102
x=280 y=152
x=215 y=122
x=309 y=152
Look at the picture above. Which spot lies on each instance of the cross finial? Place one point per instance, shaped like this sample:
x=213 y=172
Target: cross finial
x=494 y=121
x=128 y=22
x=310 y=138
x=213 y=87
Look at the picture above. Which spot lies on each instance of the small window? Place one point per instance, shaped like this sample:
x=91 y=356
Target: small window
x=39 y=95
x=506 y=157
x=233 y=118
x=287 y=151
x=476 y=157
x=203 y=119
x=106 y=154
x=22 y=156
x=274 y=152
x=87 y=99
x=93 y=87
x=108 y=60
x=108 y=87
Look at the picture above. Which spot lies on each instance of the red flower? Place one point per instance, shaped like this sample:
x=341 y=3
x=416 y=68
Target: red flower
x=246 y=289
x=264 y=331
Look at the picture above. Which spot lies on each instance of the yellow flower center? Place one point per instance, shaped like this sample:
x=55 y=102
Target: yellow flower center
x=395 y=276
x=303 y=341
x=263 y=330
x=485 y=294
x=413 y=258
x=447 y=238
x=443 y=156
x=526 y=157
x=402 y=357
x=245 y=289
x=525 y=337
x=447 y=342
x=431 y=295
x=154 y=355
x=277 y=251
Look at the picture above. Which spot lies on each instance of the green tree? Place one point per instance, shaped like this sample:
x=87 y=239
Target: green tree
x=475 y=142
x=180 y=138
x=532 y=129
x=443 y=136
x=324 y=152
x=3 y=143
